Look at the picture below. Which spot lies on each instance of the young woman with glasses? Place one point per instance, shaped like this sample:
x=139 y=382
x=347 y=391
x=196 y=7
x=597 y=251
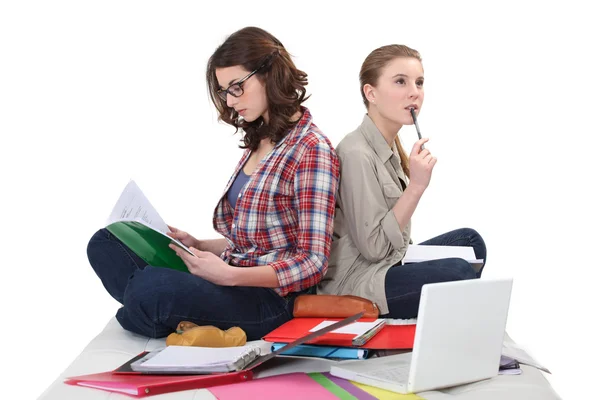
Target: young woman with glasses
x=276 y=213
x=376 y=199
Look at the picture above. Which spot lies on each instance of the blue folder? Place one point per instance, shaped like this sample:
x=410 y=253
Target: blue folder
x=308 y=350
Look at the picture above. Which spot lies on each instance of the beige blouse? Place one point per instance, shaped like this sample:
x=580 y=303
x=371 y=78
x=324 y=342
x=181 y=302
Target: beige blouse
x=367 y=239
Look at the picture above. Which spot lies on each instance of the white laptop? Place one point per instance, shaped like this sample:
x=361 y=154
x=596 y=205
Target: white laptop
x=459 y=336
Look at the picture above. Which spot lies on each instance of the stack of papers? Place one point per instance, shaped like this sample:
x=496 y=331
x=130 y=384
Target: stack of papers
x=509 y=366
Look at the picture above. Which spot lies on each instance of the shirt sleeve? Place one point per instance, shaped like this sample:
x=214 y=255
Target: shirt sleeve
x=371 y=224
x=315 y=185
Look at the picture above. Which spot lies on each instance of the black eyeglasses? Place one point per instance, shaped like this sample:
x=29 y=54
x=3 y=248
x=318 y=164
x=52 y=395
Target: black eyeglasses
x=236 y=89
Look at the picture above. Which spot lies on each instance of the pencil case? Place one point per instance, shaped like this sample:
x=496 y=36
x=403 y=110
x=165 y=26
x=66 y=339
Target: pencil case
x=331 y=306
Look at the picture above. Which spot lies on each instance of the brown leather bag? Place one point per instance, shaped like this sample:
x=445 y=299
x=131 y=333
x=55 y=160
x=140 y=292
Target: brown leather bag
x=330 y=306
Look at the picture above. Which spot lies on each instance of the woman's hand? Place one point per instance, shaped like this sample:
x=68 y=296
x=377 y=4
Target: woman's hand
x=421 y=163
x=206 y=265
x=184 y=237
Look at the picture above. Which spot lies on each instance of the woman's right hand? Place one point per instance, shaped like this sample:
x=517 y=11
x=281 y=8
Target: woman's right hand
x=421 y=163
x=184 y=237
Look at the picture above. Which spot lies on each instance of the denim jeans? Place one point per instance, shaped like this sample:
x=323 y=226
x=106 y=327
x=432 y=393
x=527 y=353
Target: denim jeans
x=403 y=283
x=156 y=299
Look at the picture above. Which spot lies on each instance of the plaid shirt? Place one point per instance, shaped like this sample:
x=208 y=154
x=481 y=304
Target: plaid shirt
x=284 y=214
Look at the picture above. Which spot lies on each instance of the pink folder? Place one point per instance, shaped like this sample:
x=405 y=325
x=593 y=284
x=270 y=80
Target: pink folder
x=295 y=386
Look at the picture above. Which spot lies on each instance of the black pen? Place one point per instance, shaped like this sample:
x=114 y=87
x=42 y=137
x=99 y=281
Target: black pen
x=414 y=117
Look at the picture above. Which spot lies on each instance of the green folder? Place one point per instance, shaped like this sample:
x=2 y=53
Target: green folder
x=150 y=245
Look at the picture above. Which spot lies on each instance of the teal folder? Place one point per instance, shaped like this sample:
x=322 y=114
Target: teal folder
x=308 y=350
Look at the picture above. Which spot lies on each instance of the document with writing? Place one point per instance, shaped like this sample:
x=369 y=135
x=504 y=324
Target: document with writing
x=134 y=206
x=136 y=223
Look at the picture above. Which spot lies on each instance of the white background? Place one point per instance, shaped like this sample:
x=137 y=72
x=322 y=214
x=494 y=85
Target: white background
x=95 y=93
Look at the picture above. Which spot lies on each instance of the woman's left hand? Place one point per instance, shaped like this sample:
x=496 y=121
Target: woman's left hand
x=206 y=265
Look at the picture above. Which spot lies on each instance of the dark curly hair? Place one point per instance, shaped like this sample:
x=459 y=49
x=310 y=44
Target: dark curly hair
x=252 y=48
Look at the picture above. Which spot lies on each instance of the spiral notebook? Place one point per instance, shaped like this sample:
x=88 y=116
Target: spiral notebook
x=197 y=360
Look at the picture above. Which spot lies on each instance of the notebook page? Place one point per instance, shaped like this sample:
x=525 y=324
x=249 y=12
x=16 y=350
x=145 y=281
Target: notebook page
x=192 y=356
x=133 y=205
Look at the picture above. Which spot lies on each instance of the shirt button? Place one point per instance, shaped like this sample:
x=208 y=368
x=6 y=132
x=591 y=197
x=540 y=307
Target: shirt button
x=233 y=226
x=239 y=195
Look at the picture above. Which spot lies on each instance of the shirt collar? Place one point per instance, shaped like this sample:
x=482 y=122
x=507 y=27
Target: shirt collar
x=375 y=139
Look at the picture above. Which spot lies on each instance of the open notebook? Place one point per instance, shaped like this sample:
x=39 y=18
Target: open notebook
x=197 y=360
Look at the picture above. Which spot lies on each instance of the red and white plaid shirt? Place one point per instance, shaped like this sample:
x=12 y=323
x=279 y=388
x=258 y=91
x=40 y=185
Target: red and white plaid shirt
x=284 y=214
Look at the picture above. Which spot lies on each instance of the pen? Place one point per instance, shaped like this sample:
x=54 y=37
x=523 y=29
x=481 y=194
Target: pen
x=414 y=117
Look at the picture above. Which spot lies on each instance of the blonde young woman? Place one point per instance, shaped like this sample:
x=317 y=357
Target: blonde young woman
x=380 y=188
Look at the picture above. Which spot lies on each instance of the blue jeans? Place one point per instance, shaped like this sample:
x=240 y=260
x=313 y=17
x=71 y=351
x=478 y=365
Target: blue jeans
x=403 y=283
x=156 y=299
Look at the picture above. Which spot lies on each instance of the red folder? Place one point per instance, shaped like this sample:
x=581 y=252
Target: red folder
x=148 y=385
x=390 y=337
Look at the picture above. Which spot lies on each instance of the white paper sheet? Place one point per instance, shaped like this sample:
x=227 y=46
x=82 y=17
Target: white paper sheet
x=356 y=328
